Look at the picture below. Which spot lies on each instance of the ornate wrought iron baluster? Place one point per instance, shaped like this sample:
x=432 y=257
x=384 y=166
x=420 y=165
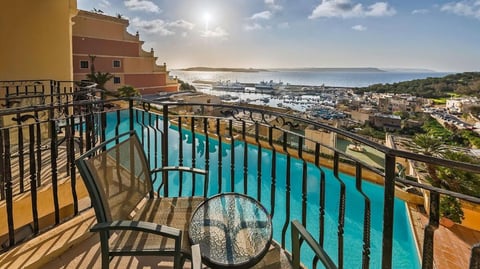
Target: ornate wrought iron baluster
x=207 y=154
x=70 y=134
x=7 y=177
x=287 y=190
x=304 y=181
x=321 y=214
x=33 y=177
x=220 y=148
x=232 y=156
x=165 y=149
x=341 y=211
x=180 y=154
x=21 y=165
x=53 y=163
x=39 y=149
x=194 y=153
x=245 y=157
x=366 y=217
x=259 y=163
x=273 y=171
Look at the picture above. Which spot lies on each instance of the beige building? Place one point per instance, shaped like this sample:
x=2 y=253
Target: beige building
x=118 y=52
x=321 y=136
x=387 y=121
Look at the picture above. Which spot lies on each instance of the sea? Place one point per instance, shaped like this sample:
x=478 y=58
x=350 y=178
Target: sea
x=307 y=77
x=299 y=77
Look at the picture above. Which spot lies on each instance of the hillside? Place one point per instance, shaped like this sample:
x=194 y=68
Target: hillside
x=462 y=84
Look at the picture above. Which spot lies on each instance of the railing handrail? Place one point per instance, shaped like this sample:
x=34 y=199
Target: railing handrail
x=382 y=148
x=91 y=132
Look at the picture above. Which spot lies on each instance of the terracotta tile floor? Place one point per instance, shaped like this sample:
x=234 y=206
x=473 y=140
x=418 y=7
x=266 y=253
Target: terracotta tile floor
x=452 y=246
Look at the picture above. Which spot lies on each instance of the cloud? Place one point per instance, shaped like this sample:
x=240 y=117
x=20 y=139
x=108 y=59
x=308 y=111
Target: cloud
x=359 y=27
x=380 y=9
x=252 y=27
x=420 y=11
x=142 y=5
x=348 y=9
x=182 y=24
x=264 y=15
x=153 y=26
x=271 y=4
x=216 y=33
x=467 y=8
x=161 y=27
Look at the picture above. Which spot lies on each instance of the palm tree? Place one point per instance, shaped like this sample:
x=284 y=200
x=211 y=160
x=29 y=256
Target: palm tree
x=428 y=145
x=127 y=91
x=98 y=77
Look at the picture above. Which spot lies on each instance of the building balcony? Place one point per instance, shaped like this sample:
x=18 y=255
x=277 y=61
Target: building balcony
x=365 y=208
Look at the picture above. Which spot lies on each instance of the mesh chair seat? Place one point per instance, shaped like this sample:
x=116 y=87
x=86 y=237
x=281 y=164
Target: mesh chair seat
x=132 y=219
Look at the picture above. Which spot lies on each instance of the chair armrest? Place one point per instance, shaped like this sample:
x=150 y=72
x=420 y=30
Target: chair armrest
x=196 y=257
x=181 y=169
x=141 y=226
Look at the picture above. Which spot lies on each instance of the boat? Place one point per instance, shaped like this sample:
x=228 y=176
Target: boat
x=228 y=86
x=356 y=148
x=228 y=98
x=267 y=86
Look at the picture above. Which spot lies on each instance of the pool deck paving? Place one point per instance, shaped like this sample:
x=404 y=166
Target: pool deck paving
x=452 y=246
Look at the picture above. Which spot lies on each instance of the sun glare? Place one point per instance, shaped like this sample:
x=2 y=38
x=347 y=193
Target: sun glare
x=206 y=17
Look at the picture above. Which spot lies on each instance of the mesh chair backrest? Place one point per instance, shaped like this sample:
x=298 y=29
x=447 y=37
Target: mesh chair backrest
x=122 y=177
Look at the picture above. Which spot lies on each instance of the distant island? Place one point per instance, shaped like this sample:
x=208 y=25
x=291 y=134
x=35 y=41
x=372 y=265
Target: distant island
x=331 y=69
x=308 y=69
x=223 y=69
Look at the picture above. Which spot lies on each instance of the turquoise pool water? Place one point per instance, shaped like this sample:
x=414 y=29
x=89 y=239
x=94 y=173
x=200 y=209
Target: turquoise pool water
x=404 y=251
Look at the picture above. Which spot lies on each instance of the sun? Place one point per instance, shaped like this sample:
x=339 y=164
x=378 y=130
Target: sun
x=207 y=17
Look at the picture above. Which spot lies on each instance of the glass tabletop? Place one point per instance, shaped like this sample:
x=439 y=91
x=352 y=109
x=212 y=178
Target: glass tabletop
x=233 y=230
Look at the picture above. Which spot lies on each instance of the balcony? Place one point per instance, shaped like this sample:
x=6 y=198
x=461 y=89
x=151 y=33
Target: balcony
x=292 y=165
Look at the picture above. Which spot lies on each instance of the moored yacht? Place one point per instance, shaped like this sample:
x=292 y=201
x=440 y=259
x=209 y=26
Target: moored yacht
x=228 y=86
x=267 y=86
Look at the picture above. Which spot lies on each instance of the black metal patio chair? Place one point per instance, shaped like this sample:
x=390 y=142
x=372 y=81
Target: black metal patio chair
x=132 y=219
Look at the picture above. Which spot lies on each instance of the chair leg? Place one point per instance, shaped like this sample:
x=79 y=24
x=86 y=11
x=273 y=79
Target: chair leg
x=104 y=249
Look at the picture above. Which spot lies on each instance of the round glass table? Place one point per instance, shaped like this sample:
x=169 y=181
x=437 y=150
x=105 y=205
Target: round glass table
x=233 y=230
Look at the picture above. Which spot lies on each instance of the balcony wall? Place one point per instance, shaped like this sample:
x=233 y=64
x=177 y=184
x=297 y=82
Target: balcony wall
x=36 y=39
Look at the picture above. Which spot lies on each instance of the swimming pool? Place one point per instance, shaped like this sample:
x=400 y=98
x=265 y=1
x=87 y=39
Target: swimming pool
x=404 y=250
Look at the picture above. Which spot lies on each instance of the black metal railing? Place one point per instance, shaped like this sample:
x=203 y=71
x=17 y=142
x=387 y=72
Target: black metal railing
x=247 y=149
x=43 y=127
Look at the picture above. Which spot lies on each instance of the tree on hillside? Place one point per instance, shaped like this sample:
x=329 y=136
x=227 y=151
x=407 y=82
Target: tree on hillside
x=459 y=180
x=449 y=178
x=184 y=86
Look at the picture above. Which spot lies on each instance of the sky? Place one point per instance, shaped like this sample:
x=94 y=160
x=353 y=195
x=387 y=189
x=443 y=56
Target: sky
x=437 y=35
